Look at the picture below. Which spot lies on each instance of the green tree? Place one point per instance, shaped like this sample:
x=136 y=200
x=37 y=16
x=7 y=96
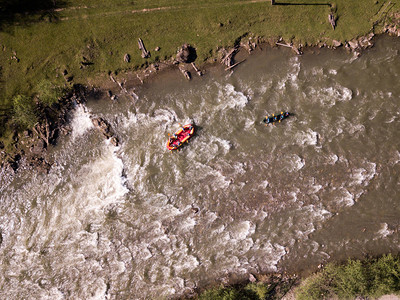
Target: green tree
x=48 y=93
x=385 y=275
x=351 y=280
x=25 y=111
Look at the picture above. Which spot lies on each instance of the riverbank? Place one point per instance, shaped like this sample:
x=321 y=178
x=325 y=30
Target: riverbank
x=85 y=44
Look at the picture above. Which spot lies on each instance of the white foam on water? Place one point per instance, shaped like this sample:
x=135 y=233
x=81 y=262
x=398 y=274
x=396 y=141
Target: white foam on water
x=53 y=294
x=313 y=189
x=383 y=232
x=188 y=262
x=269 y=254
x=291 y=78
x=241 y=230
x=81 y=121
x=353 y=128
x=264 y=184
x=396 y=157
x=308 y=137
x=225 y=144
x=296 y=163
x=345 y=198
x=228 y=97
x=100 y=291
x=362 y=176
x=328 y=96
x=391 y=119
x=294 y=196
x=188 y=224
x=332 y=159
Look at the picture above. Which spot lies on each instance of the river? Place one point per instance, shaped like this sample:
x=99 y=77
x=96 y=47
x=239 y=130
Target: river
x=139 y=222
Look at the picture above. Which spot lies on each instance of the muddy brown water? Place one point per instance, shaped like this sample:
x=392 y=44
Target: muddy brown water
x=138 y=222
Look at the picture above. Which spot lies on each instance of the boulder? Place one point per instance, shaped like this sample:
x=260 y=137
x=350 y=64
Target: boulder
x=336 y=43
x=186 y=54
x=102 y=125
x=353 y=44
x=127 y=58
x=114 y=141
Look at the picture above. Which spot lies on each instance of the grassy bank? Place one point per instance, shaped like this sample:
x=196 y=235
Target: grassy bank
x=39 y=40
x=370 y=278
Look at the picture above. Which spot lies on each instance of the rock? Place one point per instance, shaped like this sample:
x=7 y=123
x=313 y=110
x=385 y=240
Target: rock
x=65 y=72
x=109 y=93
x=69 y=78
x=127 y=58
x=38 y=147
x=186 y=54
x=114 y=97
x=40 y=164
x=364 y=42
x=114 y=141
x=252 y=278
x=353 y=44
x=102 y=125
x=157 y=49
x=336 y=43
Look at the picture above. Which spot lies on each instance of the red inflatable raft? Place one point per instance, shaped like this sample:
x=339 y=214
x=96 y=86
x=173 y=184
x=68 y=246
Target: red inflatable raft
x=178 y=138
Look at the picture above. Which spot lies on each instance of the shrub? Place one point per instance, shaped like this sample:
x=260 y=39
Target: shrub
x=48 y=93
x=229 y=293
x=369 y=278
x=385 y=275
x=313 y=288
x=351 y=280
x=25 y=111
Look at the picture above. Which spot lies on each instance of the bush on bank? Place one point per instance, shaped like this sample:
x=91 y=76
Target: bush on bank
x=369 y=278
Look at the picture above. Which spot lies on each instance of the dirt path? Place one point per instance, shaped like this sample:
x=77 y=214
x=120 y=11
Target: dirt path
x=147 y=10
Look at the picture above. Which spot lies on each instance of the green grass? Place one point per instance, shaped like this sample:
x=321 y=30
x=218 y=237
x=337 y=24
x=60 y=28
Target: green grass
x=102 y=31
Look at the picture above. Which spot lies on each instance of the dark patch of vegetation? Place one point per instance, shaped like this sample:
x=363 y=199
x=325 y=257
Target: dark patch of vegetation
x=270 y=287
x=28 y=11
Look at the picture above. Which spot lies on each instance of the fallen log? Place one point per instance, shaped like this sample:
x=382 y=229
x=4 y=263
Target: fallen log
x=331 y=18
x=228 y=59
x=298 y=52
x=186 y=73
x=234 y=65
x=145 y=53
x=198 y=71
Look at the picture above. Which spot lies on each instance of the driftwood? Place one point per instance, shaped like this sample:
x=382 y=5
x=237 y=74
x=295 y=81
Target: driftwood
x=43 y=132
x=234 y=65
x=298 y=52
x=331 y=18
x=145 y=53
x=186 y=73
x=228 y=59
x=124 y=90
x=198 y=71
